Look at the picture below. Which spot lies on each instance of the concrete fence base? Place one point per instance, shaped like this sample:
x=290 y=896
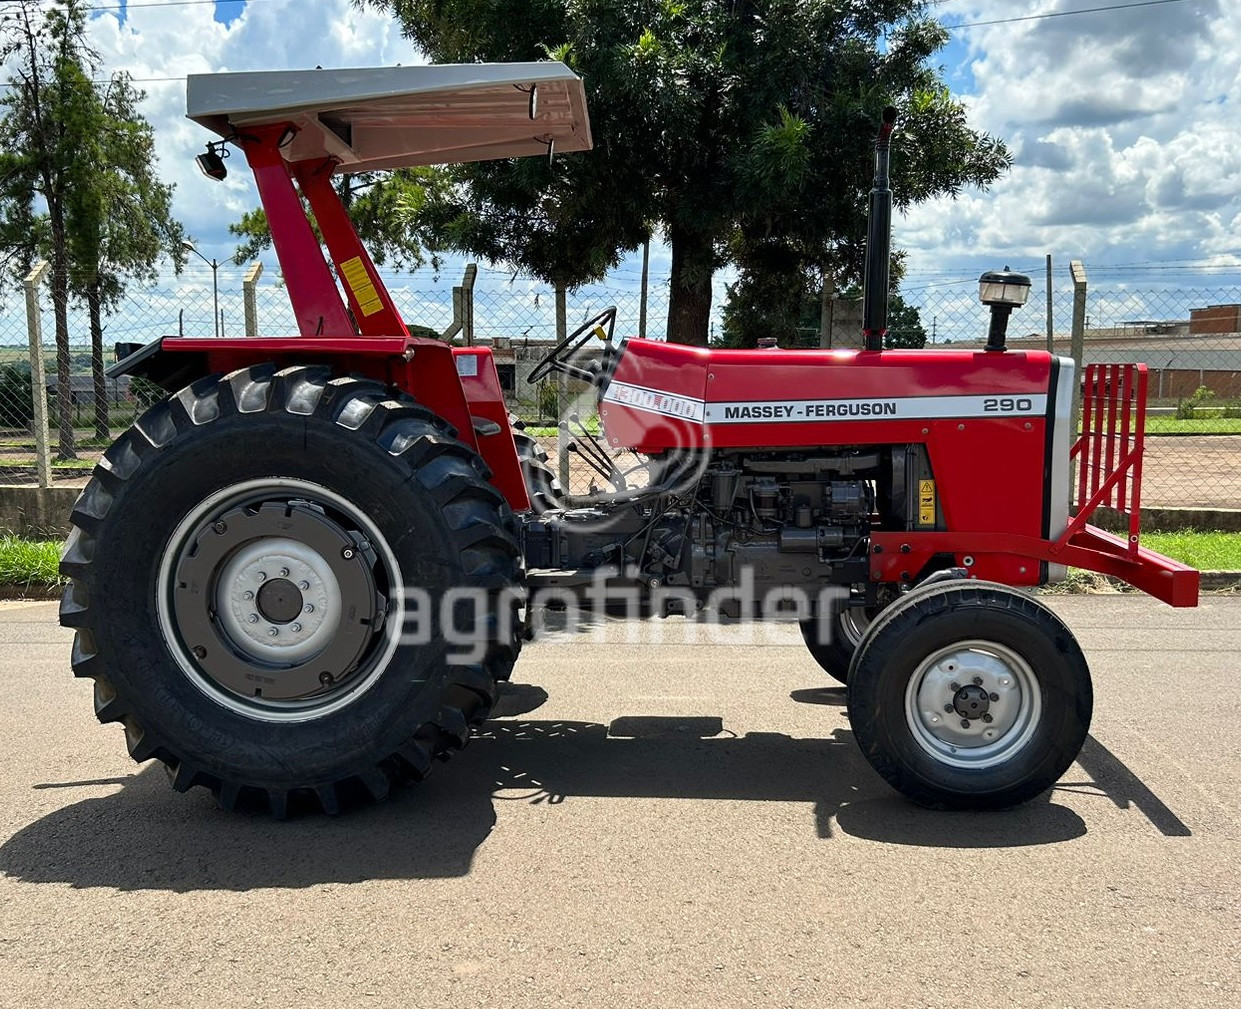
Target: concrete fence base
x=1170 y=520
x=37 y=512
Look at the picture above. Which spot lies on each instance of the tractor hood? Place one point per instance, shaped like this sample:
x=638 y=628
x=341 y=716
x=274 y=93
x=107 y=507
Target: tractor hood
x=393 y=117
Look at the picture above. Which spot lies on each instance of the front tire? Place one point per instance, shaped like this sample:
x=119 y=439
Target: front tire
x=834 y=651
x=247 y=564
x=969 y=695
x=542 y=485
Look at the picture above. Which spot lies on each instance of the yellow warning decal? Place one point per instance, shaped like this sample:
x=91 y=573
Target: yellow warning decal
x=926 y=502
x=359 y=281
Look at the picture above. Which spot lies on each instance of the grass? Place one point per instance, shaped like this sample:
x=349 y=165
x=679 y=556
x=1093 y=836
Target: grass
x=29 y=563
x=33 y=563
x=1168 y=424
x=1206 y=551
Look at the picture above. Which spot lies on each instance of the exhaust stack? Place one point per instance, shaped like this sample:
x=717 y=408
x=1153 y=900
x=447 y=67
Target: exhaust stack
x=878 y=242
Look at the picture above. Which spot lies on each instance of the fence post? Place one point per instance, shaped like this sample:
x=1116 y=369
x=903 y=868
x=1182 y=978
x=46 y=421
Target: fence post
x=38 y=379
x=1051 y=332
x=467 y=304
x=562 y=422
x=827 y=299
x=250 y=297
x=1077 y=270
x=646 y=270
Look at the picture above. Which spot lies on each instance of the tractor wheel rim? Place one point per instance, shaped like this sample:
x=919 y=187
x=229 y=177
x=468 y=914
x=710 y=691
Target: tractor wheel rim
x=854 y=621
x=973 y=704
x=279 y=599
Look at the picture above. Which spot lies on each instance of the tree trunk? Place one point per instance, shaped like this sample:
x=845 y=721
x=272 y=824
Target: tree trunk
x=60 y=310
x=102 y=428
x=689 y=305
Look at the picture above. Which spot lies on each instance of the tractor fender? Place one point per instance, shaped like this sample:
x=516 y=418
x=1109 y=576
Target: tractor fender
x=171 y=370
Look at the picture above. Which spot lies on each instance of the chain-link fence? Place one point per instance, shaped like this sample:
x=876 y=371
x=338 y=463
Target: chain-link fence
x=1189 y=335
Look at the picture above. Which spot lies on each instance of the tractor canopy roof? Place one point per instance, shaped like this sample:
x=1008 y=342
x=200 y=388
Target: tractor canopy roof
x=392 y=117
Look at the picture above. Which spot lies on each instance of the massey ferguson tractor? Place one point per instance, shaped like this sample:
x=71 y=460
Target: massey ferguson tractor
x=298 y=579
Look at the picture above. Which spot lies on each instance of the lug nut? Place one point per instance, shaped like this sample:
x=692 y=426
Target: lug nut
x=965 y=723
x=986 y=717
x=303 y=585
x=219 y=527
x=978 y=681
x=995 y=697
x=261 y=576
x=200 y=652
x=253 y=618
x=247 y=595
x=295 y=627
x=954 y=686
x=272 y=632
x=327 y=679
x=310 y=607
x=347 y=553
x=948 y=708
x=284 y=572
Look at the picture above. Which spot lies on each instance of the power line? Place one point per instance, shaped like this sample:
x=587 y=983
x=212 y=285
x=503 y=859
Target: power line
x=1065 y=14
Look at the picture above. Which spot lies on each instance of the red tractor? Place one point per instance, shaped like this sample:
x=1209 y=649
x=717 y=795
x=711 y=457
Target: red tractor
x=300 y=577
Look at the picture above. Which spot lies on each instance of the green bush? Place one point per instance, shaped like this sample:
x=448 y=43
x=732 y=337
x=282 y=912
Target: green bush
x=549 y=400
x=1185 y=408
x=16 y=403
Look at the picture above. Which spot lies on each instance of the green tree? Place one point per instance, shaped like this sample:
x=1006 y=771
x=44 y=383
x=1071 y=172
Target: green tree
x=740 y=128
x=121 y=224
x=904 y=325
x=745 y=323
x=385 y=208
x=50 y=114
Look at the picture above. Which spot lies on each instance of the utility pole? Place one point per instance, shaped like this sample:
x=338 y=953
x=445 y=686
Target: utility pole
x=188 y=246
x=1050 y=329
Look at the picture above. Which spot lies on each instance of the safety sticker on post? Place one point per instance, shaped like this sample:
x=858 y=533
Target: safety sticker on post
x=359 y=281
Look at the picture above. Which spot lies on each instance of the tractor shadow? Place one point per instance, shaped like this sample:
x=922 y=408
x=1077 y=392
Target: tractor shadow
x=144 y=836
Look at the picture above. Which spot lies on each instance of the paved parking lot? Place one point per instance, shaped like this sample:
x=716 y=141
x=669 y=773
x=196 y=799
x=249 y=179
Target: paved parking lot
x=650 y=823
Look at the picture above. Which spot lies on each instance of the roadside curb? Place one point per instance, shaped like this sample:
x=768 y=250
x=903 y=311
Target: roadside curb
x=31 y=592
x=1221 y=581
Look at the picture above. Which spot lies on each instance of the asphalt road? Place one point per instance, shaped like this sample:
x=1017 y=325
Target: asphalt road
x=651 y=824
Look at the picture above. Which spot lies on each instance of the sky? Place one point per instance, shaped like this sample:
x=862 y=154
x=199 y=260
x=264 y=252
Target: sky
x=1125 y=126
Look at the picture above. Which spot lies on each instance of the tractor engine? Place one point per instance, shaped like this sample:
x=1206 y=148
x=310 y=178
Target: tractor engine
x=763 y=520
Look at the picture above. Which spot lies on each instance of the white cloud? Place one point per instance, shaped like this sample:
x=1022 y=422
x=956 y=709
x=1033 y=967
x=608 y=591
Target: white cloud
x=1124 y=130
x=155 y=42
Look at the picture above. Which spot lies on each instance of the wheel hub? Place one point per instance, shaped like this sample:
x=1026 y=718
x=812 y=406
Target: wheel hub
x=279 y=601
x=971 y=702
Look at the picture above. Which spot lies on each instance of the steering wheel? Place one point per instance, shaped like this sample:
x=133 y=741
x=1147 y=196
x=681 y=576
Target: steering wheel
x=558 y=358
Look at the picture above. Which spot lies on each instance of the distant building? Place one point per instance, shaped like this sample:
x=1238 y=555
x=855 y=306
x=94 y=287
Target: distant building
x=82 y=389
x=1180 y=355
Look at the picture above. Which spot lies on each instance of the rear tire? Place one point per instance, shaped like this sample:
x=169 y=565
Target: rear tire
x=247 y=563
x=969 y=695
